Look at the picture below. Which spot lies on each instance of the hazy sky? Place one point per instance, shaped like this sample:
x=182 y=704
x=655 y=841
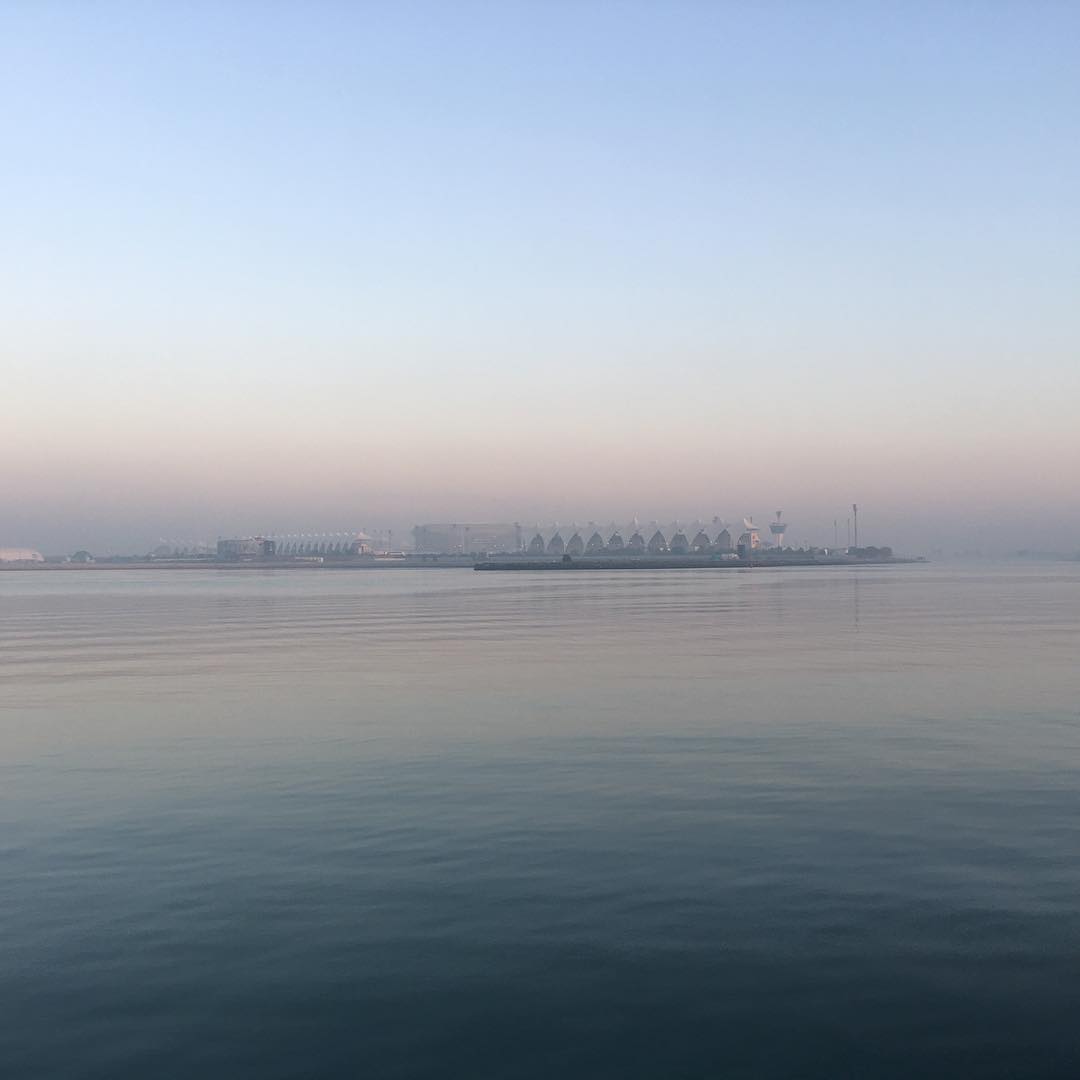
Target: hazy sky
x=313 y=265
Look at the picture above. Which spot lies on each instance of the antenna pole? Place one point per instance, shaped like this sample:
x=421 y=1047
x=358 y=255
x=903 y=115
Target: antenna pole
x=855 y=511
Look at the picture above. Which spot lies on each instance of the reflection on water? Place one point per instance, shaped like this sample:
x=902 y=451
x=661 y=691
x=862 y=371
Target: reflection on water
x=813 y=822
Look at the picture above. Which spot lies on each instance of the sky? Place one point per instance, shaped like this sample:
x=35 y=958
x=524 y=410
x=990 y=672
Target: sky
x=280 y=267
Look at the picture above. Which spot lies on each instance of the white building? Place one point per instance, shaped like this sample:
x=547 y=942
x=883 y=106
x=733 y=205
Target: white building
x=20 y=555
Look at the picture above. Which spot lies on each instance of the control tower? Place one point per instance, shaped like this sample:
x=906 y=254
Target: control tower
x=778 y=528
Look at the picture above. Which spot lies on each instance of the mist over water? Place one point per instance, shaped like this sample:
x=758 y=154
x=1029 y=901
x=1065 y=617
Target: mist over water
x=815 y=822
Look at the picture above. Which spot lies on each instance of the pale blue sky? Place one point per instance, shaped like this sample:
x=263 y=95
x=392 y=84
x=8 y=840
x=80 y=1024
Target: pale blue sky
x=743 y=244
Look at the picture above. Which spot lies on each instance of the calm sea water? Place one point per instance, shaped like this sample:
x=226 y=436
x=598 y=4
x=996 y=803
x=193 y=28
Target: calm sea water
x=807 y=823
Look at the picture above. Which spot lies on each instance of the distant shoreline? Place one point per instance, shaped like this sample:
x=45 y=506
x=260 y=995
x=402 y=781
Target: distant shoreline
x=169 y=565
x=676 y=562
x=457 y=562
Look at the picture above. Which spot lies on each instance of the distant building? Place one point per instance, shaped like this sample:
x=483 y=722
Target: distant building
x=247 y=547
x=749 y=541
x=20 y=555
x=778 y=528
x=489 y=538
x=313 y=545
x=466 y=538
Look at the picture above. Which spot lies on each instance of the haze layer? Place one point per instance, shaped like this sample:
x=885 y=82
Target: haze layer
x=272 y=267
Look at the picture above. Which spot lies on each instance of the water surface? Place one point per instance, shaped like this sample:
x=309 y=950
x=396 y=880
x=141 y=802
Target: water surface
x=811 y=822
